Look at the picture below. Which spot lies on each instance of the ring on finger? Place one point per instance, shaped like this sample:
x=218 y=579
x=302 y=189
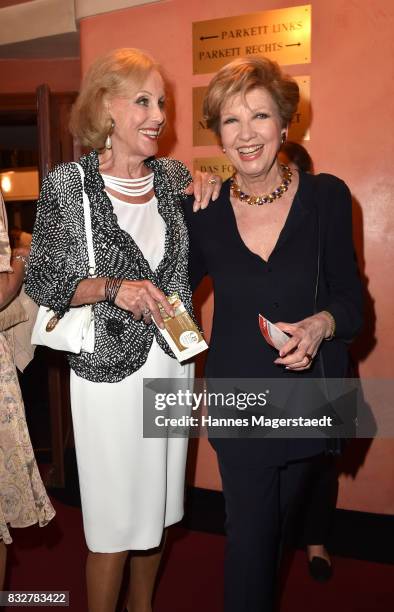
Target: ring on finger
x=309 y=357
x=212 y=181
x=146 y=312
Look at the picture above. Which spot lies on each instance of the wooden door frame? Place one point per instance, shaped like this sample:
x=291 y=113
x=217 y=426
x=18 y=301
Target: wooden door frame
x=58 y=372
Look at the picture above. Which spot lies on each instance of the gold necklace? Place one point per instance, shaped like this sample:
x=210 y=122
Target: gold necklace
x=266 y=199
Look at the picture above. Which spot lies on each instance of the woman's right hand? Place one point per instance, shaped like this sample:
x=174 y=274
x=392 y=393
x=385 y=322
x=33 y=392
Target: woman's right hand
x=141 y=298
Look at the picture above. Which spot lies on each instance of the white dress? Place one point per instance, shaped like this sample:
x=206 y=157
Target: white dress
x=131 y=487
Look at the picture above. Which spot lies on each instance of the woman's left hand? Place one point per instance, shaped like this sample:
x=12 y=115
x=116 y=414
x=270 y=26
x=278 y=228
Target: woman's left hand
x=306 y=336
x=205 y=187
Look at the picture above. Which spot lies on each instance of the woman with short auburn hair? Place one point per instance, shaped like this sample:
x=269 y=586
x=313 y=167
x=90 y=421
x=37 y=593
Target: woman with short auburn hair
x=131 y=487
x=277 y=243
x=240 y=77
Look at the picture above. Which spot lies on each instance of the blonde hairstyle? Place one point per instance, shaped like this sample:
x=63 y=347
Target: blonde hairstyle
x=242 y=75
x=111 y=75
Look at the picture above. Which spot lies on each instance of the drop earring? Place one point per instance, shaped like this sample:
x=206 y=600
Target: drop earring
x=223 y=149
x=108 y=140
x=283 y=137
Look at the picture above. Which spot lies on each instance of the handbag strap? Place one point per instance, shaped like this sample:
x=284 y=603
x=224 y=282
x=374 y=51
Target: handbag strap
x=319 y=195
x=3 y=214
x=88 y=223
x=5 y=249
x=316 y=295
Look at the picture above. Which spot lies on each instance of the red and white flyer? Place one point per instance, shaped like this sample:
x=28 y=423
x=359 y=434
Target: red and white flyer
x=272 y=334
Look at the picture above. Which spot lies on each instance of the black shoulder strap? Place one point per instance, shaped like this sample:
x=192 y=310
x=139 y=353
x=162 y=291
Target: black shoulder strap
x=318 y=194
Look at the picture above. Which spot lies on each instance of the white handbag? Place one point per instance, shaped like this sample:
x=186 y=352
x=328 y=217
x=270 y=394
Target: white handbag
x=74 y=332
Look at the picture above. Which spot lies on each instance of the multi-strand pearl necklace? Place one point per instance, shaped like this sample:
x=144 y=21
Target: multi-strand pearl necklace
x=129 y=187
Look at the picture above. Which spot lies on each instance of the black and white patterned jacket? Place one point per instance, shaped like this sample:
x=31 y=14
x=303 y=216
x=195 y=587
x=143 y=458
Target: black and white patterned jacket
x=59 y=260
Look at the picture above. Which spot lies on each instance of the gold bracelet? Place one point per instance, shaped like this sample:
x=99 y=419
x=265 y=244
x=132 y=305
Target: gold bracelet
x=333 y=324
x=25 y=260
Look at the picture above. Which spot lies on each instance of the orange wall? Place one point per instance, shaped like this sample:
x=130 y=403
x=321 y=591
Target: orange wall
x=24 y=76
x=351 y=136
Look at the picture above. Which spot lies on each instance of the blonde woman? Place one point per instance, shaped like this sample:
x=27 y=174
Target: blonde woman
x=131 y=487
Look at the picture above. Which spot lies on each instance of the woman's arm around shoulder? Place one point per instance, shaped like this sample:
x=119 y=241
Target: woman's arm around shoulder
x=204 y=186
x=178 y=174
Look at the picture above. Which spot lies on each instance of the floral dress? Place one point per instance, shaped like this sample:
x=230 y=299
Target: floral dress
x=23 y=499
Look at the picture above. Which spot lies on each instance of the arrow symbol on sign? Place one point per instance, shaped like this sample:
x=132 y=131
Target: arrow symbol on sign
x=206 y=37
x=294 y=45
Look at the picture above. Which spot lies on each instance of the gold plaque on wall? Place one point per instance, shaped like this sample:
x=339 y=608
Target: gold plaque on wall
x=201 y=134
x=299 y=128
x=283 y=35
x=218 y=165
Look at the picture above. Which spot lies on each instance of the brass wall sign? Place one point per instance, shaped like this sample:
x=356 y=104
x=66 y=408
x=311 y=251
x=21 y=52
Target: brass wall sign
x=201 y=134
x=299 y=128
x=218 y=165
x=283 y=35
